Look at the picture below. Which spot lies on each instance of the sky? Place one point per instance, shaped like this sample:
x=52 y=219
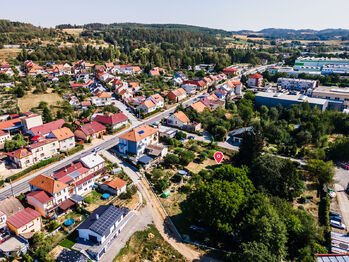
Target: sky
x=221 y=14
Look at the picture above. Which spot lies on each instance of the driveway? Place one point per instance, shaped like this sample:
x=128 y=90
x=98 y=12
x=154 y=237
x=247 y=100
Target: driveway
x=138 y=222
x=123 y=108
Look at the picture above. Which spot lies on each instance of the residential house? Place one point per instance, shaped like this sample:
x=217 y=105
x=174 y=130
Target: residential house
x=31 y=121
x=21 y=157
x=8 y=207
x=199 y=106
x=109 y=66
x=102 y=99
x=178 y=119
x=3 y=137
x=147 y=106
x=200 y=84
x=45 y=129
x=230 y=71
x=177 y=95
x=101 y=228
x=180 y=75
x=53 y=188
x=85 y=104
x=82 y=75
x=136 y=140
x=14 y=246
x=25 y=223
x=238 y=134
x=156 y=71
x=95 y=163
x=42 y=202
x=158 y=100
x=189 y=88
x=65 y=138
x=114 y=187
x=115 y=120
x=44 y=149
x=90 y=131
x=221 y=94
x=255 y=80
x=78 y=177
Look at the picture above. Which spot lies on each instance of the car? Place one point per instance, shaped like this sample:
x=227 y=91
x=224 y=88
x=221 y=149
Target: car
x=336 y=218
x=191 y=137
x=345 y=166
x=337 y=224
x=332 y=194
x=96 y=149
x=334 y=214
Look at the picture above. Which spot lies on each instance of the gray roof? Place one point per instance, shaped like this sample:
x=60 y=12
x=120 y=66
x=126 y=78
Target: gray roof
x=107 y=215
x=71 y=256
x=295 y=98
x=145 y=159
x=333 y=258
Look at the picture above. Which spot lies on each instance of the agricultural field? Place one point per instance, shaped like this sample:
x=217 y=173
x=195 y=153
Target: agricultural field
x=6 y=53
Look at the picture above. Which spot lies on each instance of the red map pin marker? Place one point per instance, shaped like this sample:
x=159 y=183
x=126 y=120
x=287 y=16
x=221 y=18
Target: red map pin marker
x=218 y=156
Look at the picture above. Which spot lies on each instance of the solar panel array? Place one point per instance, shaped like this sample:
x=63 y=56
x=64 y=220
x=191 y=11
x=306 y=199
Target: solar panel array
x=106 y=220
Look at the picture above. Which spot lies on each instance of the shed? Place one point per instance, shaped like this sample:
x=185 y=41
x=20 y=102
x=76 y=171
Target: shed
x=116 y=170
x=166 y=194
x=77 y=199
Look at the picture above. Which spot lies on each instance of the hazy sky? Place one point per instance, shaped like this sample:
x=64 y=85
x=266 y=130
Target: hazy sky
x=224 y=14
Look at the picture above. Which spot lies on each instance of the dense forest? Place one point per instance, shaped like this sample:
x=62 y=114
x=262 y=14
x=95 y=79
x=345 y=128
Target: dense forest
x=19 y=33
x=129 y=26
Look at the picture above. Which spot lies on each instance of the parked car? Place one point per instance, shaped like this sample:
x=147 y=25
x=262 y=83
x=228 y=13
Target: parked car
x=336 y=218
x=96 y=149
x=334 y=214
x=345 y=166
x=337 y=224
x=191 y=137
x=332 y=194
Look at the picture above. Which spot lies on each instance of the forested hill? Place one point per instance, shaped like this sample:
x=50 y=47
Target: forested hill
x=19 y=33
x=128 y=26
x=302 y=34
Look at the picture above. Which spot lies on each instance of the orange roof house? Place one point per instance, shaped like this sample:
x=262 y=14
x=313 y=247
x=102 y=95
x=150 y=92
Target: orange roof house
x=181 y=116
x=177 y=94
x=63 y=133
x=48 y=184
x=116 y=183
x=198 y=106
x=139 y=133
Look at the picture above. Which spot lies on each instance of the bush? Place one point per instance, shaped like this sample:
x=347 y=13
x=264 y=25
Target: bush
x=176 y=178
x=74 y=150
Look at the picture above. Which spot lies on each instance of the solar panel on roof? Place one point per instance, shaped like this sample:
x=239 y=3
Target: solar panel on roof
x=74 y=174
x=141 y=132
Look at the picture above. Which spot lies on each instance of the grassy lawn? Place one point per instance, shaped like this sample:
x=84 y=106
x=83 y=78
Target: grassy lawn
x=148 y=245
x=32 y=100
x=67 y=243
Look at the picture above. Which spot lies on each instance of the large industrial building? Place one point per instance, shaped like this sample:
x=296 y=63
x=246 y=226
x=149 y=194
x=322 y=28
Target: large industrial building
x=333 y=93
x=296 y=84
x=286 y=100
x=318 y=63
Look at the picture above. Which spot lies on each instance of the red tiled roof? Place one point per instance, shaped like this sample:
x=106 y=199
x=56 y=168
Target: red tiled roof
x=20 y=153
x=62 y=133
x=23 y=217
x=139 y=133
x=81 y=181
x=41 y=196
x=66 y=204
x=91 y=128
x=111 y=120
x=47 y=128
x=116 y=183
x=85 y=103
x=47 y=184
x=255 y=76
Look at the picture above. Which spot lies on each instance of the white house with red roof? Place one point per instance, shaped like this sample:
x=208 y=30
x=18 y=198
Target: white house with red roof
x=255 y=80
x=102 y=99
x=178 y=119
x=25 y=223
x=65 y=138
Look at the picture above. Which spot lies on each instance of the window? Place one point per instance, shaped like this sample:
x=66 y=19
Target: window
x=59 y=193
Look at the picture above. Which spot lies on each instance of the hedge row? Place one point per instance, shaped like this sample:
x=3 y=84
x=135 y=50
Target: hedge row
x=74 y=150
x=324 y=217
x=34 y=167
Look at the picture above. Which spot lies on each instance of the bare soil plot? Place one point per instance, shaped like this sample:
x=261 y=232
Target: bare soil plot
x=32 y=100
x=9 y=53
